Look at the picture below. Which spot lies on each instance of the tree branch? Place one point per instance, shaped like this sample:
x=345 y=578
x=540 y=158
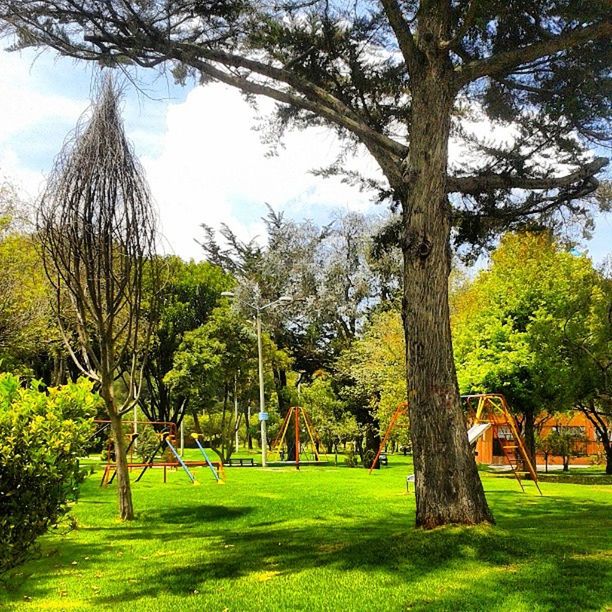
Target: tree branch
x=455 y=42
x=402 y=32
x=360 y=129
x=488 y=182
x=505 y=61
x=315 y=99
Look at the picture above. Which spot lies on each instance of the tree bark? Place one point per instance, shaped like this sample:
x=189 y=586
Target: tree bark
x=447 y=484
x=372 y=442
x=124 y=491
x=606 y=443
x=196 y=421
x=601 y=427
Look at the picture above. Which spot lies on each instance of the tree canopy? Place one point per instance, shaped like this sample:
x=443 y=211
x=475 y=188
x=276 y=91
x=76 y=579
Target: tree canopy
x=542 y=69
x=191 y=292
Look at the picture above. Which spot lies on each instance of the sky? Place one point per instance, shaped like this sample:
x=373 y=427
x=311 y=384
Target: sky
x=200 y=147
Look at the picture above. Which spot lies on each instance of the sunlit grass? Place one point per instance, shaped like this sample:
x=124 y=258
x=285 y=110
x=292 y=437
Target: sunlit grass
x=327 y=538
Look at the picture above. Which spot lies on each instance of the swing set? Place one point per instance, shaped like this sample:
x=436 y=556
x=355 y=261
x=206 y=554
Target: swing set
x=298 y=416
x=166 y=442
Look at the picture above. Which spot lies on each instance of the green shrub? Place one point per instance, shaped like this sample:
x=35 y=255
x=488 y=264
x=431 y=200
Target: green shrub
x=42 y=434
x=147 y=443
x=350 y=459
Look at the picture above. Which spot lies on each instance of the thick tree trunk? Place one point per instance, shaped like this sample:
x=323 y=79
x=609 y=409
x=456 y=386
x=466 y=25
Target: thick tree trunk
x=124 y=491
x=447 y=485
x=372 y=443
x=601 y=427
x=282 y=392
x=606 y=443
x=359 y=447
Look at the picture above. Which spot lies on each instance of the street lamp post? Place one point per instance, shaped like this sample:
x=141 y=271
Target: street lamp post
x=263 y=417
x=263 y=422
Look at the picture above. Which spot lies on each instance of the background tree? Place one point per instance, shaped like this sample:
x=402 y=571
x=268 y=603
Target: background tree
x=333 y=277
x=191 y=292
x=565 y=442
x=283 y=264
x=29 y=342
x=329 y=415
x=399 y=78
x=373 y=369
x=97 y=233
x=509 y=327
x=585 y=336
x=217 y=363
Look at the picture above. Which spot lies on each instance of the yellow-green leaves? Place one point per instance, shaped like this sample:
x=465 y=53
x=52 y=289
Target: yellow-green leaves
x=42 y=434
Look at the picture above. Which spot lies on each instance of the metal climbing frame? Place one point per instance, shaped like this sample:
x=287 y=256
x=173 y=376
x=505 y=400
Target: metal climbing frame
x=493 y=408
x=216 y=467
x=166 y=435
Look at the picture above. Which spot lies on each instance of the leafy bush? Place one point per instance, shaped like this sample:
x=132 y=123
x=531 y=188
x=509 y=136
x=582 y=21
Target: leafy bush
x=350 y=459
x=147 y=443
x=42 y=435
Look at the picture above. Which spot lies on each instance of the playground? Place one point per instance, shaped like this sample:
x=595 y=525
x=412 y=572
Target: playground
x=305 y=306
x=321 y=538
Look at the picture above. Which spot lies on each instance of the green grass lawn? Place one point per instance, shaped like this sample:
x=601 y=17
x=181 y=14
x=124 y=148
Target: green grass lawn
x=329 y=538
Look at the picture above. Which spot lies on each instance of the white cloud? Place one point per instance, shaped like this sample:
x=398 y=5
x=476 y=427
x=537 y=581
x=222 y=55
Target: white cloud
x=32 y=119
x=23 y=105
x=213 y=169
x=203 y=159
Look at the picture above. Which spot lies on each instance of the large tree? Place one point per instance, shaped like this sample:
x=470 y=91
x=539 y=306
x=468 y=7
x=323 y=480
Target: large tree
x=216 y=363
x=398 y=76
x=586 y=335
x=372 y=367
x=335 y=274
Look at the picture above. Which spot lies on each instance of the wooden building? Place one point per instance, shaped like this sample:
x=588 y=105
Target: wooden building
x=489 y=452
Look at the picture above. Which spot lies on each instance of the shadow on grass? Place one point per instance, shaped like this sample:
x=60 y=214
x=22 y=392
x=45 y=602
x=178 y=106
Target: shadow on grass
x=44 y=562
x=191 y=513
x=535 y=551
x=549 y=568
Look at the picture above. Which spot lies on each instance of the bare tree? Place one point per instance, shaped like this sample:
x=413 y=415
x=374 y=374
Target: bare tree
x=97 y=231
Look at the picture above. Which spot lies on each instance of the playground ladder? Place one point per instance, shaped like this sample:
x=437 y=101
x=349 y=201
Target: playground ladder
x=513 y=448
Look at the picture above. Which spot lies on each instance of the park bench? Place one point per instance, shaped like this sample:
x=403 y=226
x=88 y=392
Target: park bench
x=241 y=462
